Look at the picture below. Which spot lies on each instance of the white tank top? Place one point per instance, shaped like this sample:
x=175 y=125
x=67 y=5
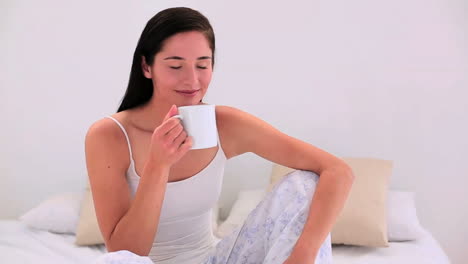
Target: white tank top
x=185 y=226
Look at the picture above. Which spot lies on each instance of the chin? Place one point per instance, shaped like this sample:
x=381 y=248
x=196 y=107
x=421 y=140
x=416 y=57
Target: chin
x=194 y=102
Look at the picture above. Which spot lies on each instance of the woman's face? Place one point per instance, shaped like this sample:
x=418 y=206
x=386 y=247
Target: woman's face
x=182 y=70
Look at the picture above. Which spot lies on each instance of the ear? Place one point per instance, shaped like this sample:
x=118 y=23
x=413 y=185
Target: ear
x=145 y=68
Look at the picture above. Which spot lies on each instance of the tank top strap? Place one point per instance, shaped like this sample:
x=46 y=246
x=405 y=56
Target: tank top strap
x=126 y=135
x=220 y=147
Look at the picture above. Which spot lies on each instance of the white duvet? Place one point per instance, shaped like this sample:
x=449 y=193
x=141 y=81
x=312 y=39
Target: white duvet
x=22 y=245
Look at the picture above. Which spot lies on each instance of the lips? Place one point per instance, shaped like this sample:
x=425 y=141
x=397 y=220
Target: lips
x=188 y=92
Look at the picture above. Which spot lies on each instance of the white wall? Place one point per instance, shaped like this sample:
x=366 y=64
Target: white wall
x=357 y=78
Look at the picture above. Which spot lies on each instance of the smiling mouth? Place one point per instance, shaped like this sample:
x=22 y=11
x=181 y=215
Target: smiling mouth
x=188 y=91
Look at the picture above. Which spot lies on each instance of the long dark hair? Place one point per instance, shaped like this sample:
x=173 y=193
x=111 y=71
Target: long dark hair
x=160 y=27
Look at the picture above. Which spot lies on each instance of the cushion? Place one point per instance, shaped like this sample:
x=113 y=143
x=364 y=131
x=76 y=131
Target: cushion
x=57 y=214
x=402 y=219
x=88 y=232
x=246 y=201
x=363 y=220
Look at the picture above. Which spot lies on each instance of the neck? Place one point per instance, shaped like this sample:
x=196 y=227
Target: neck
x=151 y=115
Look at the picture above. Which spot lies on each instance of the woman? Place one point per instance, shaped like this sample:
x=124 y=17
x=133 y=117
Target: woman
x=146 y=183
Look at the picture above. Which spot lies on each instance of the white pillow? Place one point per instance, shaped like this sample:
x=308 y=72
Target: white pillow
x=402 y=220
x=247 y=201
x=57 y=214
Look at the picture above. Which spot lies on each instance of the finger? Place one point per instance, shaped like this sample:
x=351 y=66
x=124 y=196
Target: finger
x=174 y=133
x=186 y=144
x=172 y=112
x=168 y=125
x=180 y=138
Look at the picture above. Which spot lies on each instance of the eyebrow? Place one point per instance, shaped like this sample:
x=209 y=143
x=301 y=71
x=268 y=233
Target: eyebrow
x=180 y=58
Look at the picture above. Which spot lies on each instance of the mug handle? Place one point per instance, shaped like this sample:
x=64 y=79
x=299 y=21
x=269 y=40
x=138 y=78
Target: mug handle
x=178 y=116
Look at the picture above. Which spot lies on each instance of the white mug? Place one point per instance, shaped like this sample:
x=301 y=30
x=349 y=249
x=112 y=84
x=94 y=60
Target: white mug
x=199 y=121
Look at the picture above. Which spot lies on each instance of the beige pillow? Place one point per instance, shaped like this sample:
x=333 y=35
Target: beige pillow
x=88 y=232
x=363 y=220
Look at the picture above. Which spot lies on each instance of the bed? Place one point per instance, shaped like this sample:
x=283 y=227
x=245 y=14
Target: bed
x=21 y=244
x=49 y=233
x=424 y=250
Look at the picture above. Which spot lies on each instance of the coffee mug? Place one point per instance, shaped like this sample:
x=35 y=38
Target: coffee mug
x=199 y=121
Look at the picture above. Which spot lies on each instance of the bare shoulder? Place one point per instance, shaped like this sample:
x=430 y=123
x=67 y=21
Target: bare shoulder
x=104 y=129
x=233 y=126
x=222 y=118
x=226 y=113
x=234 y=119
x=106 y=137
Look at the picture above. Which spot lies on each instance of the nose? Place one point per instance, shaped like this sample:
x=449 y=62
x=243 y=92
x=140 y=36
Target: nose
x=191 y=76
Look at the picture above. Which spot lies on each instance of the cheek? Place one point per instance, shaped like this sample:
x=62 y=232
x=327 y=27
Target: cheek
x=205 y=77
x=166 y=77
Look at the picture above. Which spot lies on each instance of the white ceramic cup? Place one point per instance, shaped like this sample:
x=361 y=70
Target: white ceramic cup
x=199 y=121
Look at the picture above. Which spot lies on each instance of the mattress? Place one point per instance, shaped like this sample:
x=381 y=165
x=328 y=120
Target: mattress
x=22 y=245
x=425 y=250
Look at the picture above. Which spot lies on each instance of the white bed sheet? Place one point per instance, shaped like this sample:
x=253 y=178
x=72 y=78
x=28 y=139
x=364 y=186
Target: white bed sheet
x=22 y=245
x=425 y=250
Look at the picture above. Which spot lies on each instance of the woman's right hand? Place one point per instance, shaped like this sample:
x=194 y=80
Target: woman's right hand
x=169 y=141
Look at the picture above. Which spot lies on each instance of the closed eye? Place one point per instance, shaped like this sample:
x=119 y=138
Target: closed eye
x=200 y=67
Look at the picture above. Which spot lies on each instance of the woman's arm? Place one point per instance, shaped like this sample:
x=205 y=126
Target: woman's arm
x=124 y=224
x=251 y=134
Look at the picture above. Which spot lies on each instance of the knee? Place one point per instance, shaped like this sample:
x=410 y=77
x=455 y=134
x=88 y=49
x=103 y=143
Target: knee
x=299 y=184
x=302 y=179
x=305 y=176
